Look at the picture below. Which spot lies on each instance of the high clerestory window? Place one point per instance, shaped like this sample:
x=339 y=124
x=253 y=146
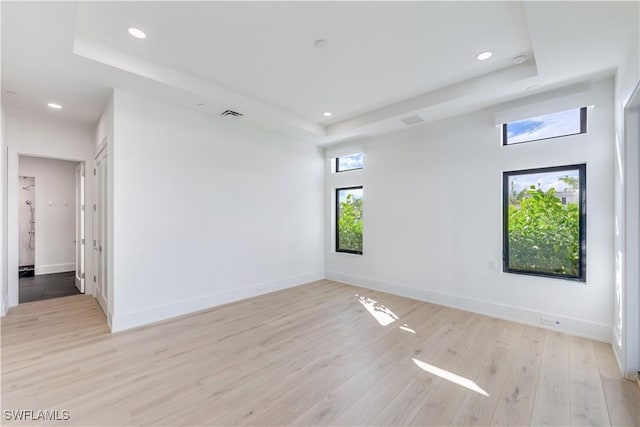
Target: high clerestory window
x=349 y=163
x=553 y=125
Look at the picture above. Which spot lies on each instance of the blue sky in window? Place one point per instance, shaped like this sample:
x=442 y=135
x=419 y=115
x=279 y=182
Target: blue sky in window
x=353 y=161
x=357 y=194
x=545 y=126
x=545 y=180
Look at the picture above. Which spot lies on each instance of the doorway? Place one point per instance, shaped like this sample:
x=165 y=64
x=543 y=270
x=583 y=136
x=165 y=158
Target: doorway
x=50 y=228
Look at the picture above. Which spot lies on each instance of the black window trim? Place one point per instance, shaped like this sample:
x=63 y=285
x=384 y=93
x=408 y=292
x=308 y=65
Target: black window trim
x=346 y=170
x=582 y=227
x=337 y=214
x=583 y=129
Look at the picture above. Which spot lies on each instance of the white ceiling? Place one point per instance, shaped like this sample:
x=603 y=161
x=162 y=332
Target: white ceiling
x=384 y=61
x=378 y=53
x=38 y=63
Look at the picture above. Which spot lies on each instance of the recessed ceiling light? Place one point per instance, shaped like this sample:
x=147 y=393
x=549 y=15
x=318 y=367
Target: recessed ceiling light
x=137 y=33
x=321 y=43
x=327 y=114
x=55 y=106
x=484 y=55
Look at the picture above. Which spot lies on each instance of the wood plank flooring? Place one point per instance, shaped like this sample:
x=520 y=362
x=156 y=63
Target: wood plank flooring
x=320 y=354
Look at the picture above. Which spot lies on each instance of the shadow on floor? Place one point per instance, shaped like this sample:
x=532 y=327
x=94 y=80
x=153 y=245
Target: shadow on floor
x=47 y=286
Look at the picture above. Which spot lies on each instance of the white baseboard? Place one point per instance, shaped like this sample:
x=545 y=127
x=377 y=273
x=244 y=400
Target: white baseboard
x=616 y=355
x=132 y=319
x=54 y=268
x=629 y=374
x=577 y=327
x=5 y=306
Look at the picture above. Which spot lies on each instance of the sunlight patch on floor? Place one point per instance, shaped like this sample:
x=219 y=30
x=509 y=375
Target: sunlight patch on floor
x=406 y=328
x=449 y=376
x=382 y=314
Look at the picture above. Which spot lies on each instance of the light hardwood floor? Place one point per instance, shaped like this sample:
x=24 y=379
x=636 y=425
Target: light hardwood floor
x=319 y=354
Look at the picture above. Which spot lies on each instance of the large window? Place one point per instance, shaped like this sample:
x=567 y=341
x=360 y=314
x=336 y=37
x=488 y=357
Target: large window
x=349 y=220
x=545 y=221
x=349 y=163
x=547 y=126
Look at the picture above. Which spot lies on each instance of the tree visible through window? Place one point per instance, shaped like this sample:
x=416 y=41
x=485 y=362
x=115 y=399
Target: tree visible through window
x=349 y=220
x=544 y=222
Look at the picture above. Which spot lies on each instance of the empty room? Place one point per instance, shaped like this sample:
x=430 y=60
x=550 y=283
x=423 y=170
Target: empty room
x=320 y=213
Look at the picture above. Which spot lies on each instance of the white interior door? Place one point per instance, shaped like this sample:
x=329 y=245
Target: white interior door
x=80 y=240
x=100 y=230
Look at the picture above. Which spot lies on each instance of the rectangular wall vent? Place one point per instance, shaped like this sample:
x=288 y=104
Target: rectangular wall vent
x=230 y=113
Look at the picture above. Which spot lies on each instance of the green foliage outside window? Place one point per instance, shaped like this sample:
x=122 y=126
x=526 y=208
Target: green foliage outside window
x=544 y=234
x=350 y=224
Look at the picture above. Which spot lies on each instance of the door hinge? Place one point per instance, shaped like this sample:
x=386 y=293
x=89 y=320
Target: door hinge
x=82 y=276
x=94 y=279
x=94 y=207
x=94 y=243
x=82 y=242
x=82 y=208
x=94 y=171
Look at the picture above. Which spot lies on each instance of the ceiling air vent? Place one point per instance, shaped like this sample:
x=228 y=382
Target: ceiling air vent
x=231 y=113
x=412 y=120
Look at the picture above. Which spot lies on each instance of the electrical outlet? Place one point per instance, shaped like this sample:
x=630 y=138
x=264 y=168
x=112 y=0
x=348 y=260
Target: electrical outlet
x=549 y=321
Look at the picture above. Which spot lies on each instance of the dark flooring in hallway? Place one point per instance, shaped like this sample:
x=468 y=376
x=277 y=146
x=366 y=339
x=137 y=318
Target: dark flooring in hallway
x=47 y=286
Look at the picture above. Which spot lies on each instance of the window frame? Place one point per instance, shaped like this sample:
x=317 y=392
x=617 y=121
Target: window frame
x=348 y=170
x=583 y=129
x=337 y=218
x=582 y=224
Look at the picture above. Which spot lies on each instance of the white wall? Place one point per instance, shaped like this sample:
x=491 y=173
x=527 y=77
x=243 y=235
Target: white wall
x=4 y=284
x=433 y=219
x=55 y=214
x=51 y=140
x=626 y=327
x=104 y=128
x=207 y=210
x=26 y=239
